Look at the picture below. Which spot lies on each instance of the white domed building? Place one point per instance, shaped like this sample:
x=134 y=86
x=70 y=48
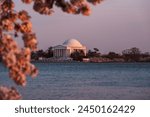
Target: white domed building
x=67 y=48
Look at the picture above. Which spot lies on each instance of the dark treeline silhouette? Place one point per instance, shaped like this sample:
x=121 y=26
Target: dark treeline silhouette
x=94 y=53
x=128 y=55
x=42 y=54
x=78 y=55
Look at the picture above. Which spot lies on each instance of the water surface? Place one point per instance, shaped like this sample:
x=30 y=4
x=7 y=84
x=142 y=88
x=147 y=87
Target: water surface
x=86 y=81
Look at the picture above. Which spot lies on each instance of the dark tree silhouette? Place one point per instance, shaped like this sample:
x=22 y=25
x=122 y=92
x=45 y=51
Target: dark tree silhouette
x=94 y=53
x=112 y=55
x=96 y=49
x=132 y=54
x=49 y=52
x=78 y=55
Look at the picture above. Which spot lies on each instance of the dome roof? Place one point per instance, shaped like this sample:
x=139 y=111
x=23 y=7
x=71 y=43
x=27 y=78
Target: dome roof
x=72 y=43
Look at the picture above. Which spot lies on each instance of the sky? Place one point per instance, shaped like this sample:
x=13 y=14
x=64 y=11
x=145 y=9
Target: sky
x=114 y=25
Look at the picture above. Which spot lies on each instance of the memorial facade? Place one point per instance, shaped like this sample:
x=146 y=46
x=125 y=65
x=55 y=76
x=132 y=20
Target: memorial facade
x=67 y=48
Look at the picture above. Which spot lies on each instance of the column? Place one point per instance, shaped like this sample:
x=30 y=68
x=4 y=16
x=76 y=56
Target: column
x=57 y=52
x=61 y=53
x=54 y=52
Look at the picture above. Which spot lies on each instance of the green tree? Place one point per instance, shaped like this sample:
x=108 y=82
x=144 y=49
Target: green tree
x=13 y=22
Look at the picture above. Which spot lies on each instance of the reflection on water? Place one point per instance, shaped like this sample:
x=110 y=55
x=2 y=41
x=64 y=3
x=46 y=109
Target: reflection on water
x=86 y=81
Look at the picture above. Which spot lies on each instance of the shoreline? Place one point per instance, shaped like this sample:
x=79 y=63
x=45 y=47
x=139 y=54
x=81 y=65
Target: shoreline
x=40 y=61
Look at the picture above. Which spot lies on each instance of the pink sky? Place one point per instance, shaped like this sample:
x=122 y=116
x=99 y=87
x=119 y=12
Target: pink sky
x=114 y=25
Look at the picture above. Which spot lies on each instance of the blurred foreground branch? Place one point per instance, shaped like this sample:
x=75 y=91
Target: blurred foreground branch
x=16 y=24
x=9 y=93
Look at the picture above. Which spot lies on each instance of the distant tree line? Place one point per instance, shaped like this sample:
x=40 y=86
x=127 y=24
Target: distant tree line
x=42 y=54
x=128 y=55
